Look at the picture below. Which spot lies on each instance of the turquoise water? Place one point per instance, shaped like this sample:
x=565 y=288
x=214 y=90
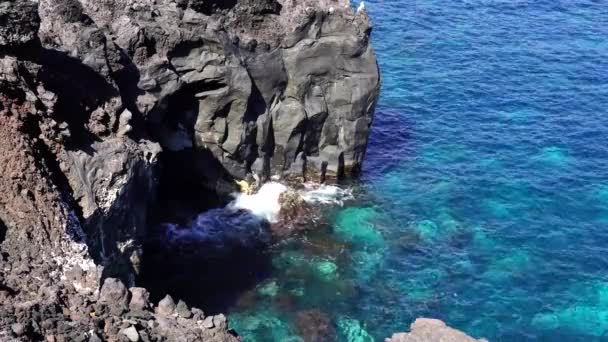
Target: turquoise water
x=484 y=199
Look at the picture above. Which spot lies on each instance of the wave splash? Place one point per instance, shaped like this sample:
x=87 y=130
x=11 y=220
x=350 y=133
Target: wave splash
x=325 y=194
x=245 y=222
x=265 y=203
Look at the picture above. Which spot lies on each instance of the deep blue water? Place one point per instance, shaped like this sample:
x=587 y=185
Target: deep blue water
x=484 y=198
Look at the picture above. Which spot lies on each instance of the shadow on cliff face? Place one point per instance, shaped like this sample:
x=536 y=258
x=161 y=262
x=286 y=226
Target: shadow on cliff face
x=210 y=261
x=204 y=259
x=209 y=7
x=191 y=179
x=3 y=230
x=77 y=92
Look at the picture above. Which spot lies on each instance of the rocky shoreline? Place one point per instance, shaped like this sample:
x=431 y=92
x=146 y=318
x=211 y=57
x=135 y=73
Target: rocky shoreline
x=115 y=115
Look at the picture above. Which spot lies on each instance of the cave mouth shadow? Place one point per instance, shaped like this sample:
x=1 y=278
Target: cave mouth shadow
x=208 y=263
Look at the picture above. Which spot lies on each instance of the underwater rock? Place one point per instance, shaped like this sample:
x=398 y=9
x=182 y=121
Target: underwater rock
x=585 y=316
x=351 y=330
x=368 y=263
x=270 y=289
x=356 y=226
x=266 y=323
x=315 y=326
x=427 y=330
x=553 y=155
x=428 y=230
x=326 y=269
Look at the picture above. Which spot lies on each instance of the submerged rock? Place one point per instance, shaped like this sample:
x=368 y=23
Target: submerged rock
x=315 y=326
x=356 y=226
x=326 y=269
x=270 y=289
x=351 y=330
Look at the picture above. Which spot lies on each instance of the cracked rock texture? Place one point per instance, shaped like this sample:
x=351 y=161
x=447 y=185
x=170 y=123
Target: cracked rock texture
x=105 y=102
x=263 y=86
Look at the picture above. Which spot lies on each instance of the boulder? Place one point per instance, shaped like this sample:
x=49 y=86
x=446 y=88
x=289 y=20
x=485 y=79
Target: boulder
x=427 y=330
x=183 y=310
x=166 y=306
x=131 y=334
x=114 y=293
x=140 y=298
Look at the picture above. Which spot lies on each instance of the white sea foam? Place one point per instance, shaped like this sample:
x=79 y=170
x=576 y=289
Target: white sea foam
x=264 y=203
x=325 y=194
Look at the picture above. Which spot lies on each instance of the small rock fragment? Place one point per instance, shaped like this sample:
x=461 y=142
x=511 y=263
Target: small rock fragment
x=166 y=306
x=18 y=329
x=131 y=334
x=208 y=322
x=113 y=292
x=183 y=310
x=94 y=337
x=140 y=298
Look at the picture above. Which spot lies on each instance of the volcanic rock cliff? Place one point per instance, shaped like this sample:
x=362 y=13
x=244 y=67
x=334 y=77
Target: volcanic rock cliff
x=108 y=108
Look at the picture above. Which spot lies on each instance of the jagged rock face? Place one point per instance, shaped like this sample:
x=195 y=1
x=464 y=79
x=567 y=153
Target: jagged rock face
x=101 y=99
x=114 y=187
x=19 y=22
x=266 y=87
x=119 y=314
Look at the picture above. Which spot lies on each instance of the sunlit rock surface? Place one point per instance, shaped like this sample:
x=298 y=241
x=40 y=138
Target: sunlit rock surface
x=431 y=330
x=102 y=102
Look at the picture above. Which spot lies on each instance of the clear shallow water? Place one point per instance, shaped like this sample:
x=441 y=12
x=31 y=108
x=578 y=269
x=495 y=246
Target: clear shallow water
x=484 y=199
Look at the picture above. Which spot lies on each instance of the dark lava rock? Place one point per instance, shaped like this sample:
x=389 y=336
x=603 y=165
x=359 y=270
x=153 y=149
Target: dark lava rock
x=93 y=91
x=20 y=22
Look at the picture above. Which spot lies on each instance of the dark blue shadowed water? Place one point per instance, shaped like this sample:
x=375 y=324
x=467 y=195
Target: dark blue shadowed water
x=484 y=198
